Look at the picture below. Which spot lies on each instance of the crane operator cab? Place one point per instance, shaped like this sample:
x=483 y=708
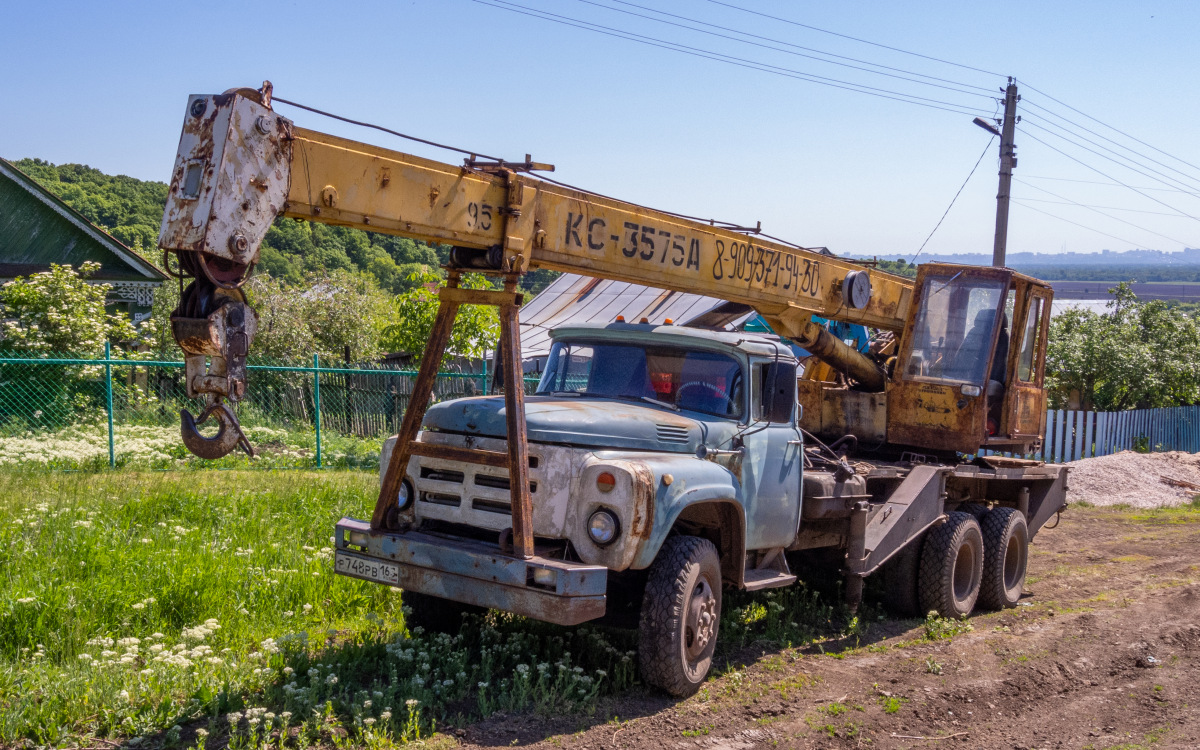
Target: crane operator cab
x=969 y=371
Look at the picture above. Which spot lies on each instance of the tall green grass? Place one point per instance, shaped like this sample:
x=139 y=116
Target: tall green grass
x=135 y=601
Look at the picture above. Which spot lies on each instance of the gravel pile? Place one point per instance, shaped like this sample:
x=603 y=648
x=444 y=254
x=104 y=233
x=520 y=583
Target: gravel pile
x=1137 y=479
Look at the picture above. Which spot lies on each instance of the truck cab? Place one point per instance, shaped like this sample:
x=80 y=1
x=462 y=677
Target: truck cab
x=637 y=434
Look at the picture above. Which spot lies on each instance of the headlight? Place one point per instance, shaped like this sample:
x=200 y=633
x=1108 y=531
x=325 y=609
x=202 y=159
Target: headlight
x=404 y=498
x=603 y=527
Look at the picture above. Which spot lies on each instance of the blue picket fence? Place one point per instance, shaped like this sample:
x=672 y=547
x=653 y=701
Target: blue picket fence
x=1072 y=435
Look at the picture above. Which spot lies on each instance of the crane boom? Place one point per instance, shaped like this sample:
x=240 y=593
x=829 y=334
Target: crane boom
x=338 y=181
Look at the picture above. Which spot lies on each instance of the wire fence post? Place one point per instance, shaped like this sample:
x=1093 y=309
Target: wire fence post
x=112 y=455
x=317 y=402
x=485 y=377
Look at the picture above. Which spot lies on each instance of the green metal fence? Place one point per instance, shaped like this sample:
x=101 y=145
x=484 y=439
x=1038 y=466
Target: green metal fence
x=79 y=412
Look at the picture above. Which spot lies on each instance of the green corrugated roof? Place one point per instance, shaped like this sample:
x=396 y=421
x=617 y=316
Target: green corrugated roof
x=37 y=229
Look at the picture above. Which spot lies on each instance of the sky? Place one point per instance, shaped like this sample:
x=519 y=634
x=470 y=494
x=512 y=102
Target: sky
x=105 y=84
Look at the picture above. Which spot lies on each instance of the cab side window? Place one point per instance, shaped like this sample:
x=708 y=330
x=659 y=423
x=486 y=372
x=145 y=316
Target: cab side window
x=774 y=392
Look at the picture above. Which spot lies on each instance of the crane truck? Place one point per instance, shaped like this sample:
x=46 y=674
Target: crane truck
x=656 y=465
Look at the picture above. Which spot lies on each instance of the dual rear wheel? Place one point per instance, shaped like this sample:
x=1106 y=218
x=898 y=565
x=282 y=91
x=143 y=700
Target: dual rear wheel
x=973 y=559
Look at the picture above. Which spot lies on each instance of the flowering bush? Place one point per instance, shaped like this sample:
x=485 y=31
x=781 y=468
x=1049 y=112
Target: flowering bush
x=59 y=311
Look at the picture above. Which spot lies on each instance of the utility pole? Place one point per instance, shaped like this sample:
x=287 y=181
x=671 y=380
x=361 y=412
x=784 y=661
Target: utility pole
x=1008 y=160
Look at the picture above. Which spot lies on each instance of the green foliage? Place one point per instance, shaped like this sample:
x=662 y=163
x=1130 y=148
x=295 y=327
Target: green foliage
x=1135 y=355
x=476 y=328
x=900 y=267
x=938 y=628
x=338 y=311
x=58 y=311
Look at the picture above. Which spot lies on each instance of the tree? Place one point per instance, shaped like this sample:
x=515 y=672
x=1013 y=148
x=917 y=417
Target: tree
x=331 y=313
x=476 y=328
x=58 y=311
x=1135 y=355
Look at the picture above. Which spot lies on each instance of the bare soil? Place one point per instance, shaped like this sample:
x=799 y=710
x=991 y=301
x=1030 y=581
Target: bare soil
x=1104 y=652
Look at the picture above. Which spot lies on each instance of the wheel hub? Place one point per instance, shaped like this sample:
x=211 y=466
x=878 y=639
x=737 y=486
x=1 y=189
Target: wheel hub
x=700 y=624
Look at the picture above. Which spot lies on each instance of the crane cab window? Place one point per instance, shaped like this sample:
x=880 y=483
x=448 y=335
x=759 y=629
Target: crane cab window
x=955 y=327
x=702 y=381
x=1027 y=364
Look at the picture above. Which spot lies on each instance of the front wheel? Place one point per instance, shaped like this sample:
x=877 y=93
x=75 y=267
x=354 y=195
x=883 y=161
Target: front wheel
x=681 y=610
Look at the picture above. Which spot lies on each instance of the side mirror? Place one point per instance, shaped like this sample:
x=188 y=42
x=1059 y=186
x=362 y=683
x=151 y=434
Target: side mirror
x=779 y=391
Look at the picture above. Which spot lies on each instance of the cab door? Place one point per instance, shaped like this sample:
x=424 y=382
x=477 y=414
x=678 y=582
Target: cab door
x=772 y=463
x=1027 y=396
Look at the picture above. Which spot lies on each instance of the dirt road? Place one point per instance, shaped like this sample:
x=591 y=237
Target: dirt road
x=1104 y=652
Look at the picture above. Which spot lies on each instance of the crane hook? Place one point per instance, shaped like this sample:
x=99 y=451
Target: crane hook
x=229 y=434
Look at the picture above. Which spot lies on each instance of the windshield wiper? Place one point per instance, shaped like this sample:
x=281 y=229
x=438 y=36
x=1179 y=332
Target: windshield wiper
x=656 y=402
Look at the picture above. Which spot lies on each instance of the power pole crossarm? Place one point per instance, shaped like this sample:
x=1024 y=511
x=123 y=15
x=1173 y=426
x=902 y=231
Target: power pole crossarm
x=1008 y=160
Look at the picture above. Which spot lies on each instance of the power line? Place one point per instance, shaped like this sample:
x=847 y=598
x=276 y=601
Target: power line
x=1067 y=202
x=1108 y=216
x=1110 y=127
x=1099 y=182
x=955 y=198
x=1110 y=177
x=1162 y=178
x=854 y=38
x=1082 y=226
x=920 y=101
x=1056 y=115
x=989 y=93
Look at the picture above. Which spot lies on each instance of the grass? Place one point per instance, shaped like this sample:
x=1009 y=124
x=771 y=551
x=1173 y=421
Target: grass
x=136 y=602
x=149 y=445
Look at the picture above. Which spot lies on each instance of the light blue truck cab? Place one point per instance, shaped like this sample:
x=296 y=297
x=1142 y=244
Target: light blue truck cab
x=667 y=463
x=636 y=432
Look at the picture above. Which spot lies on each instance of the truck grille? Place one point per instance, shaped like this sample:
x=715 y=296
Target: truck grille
x=669 y=433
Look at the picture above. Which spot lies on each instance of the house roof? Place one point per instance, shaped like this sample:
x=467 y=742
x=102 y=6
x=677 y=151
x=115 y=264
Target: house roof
x=573 y=299
x=37 y=229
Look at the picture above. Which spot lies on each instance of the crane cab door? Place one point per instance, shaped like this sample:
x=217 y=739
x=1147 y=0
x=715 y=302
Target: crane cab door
x=957 y=384
x=1023 y=411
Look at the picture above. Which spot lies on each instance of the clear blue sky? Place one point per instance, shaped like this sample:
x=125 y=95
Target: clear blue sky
x=105 y=84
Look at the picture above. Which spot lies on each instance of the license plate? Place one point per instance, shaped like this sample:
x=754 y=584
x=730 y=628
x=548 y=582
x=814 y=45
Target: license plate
x=372 y=570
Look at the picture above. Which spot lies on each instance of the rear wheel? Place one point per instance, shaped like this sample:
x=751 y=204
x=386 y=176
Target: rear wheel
x=1005 y=558
x=434 y=614
x=681 y=610
x=951 y=566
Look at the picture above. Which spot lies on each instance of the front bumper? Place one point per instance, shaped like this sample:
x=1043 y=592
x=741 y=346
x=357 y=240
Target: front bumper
x=472 y=572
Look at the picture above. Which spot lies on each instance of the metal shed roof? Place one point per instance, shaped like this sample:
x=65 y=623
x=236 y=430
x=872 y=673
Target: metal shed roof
x=571 y=299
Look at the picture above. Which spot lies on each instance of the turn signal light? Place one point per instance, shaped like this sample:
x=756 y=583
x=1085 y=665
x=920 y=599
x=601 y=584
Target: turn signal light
x=605 y=482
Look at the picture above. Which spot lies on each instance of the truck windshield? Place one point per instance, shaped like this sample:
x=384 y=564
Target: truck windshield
x=952 y=335
x=707 y=382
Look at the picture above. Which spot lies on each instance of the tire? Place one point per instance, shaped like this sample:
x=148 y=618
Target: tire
x=681 y=612
x=434 y=614
x=900 y=576
x=975 y=509
x=951 y=566
x=1005 y=558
